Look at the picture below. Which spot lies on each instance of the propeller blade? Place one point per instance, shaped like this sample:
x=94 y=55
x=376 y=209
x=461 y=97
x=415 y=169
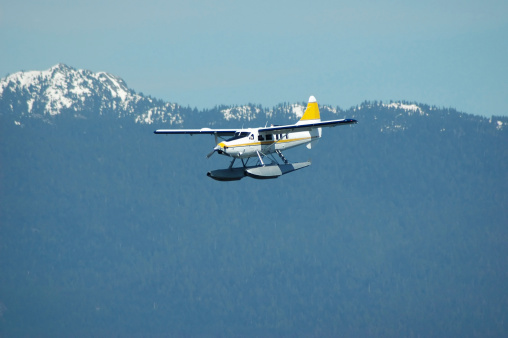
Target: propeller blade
x=210 y=153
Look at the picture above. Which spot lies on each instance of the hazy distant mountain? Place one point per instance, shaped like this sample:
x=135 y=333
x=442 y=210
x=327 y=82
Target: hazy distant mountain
x=398 y=228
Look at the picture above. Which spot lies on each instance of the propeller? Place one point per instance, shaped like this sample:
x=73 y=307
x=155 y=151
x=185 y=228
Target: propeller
x=217 y=148
x=211 y=153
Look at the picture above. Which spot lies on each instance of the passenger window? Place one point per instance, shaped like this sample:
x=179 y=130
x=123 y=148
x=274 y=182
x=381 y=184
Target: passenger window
x=260 y=138
x=269 y=137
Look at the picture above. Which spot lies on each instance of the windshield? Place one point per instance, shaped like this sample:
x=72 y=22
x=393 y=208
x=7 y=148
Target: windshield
x=239 y=135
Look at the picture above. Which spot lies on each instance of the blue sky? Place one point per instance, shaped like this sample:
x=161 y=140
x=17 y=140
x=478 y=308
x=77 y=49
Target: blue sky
x=447 y=53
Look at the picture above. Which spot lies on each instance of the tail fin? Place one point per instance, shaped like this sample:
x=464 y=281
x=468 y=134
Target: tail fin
x=311 y=114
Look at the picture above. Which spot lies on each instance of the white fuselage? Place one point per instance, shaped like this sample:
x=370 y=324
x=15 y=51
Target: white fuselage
x=248 y=142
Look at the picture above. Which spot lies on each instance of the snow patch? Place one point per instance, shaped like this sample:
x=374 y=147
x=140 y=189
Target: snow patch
x=410 y=108
x=30 y=104
x=240 y=113
x=297 y=110
x=393 y=128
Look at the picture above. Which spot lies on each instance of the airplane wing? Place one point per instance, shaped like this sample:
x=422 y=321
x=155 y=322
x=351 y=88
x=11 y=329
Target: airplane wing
x=286 y=128
x=218 y=132
x=307 y=126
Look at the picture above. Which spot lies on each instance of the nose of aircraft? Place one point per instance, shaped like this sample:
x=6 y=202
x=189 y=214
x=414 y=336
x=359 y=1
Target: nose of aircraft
x=221 y=148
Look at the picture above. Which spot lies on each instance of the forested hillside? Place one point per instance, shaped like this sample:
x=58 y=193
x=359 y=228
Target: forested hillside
x=398 y=228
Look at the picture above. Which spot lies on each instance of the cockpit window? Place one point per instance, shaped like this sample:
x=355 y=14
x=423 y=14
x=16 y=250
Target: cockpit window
x=239 y=135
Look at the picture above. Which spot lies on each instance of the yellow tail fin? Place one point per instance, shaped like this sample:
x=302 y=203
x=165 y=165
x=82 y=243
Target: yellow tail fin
x=312 y=111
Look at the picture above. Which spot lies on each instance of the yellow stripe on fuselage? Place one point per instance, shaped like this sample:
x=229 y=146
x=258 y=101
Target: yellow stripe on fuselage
x=270 y=142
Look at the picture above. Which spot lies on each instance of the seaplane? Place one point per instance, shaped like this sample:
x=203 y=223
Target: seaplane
x=262 y=143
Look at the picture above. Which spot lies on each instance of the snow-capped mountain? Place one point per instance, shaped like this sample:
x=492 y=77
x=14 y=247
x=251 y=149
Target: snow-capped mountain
x=82 y=93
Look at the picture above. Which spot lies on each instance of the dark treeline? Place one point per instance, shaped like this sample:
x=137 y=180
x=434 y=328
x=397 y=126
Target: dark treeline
x=398 y=228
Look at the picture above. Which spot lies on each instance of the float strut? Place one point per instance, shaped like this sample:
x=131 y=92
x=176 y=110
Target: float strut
x=281 y=156
x=260 y=158
x=231 y=164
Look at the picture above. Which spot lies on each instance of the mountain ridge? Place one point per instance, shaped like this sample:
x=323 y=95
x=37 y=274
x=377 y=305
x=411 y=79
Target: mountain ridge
x=62 y=90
